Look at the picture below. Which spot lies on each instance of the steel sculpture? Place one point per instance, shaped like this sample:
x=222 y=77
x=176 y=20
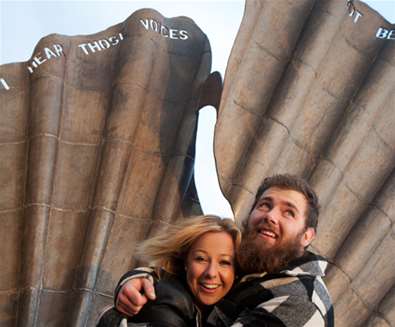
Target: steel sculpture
x=97 y=139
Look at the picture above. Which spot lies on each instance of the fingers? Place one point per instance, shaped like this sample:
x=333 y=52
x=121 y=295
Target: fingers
x=130 y=300
x=127 y=307
x=149 y=290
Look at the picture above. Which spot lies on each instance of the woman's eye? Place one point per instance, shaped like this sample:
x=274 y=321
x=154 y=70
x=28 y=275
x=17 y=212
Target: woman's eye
x=200 y=259
x=225 y=263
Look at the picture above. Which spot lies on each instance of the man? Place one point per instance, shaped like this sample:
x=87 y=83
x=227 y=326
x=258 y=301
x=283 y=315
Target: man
x=282 y=281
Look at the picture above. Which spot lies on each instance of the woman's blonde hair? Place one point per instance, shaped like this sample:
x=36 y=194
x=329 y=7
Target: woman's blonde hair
x=170 y=248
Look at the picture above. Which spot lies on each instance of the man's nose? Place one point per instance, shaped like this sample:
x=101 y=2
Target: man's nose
x=272 y=216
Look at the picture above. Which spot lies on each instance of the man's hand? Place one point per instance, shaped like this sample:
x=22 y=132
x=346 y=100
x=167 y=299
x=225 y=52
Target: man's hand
x=134 y=294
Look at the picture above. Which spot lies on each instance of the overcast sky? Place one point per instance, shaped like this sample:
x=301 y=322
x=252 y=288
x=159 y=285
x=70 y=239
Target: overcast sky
x=24 y=23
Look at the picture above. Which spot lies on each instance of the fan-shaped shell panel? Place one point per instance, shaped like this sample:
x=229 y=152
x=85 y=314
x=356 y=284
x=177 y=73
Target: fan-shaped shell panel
x=309 y=90
x=97 y=150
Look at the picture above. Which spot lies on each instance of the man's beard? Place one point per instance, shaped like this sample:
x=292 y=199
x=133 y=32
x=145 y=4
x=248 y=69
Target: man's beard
x=255 y=257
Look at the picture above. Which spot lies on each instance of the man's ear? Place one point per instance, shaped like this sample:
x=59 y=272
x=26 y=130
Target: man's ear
x=308 y=236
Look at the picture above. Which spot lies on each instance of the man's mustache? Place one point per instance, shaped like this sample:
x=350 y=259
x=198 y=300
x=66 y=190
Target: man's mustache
x=264 y=225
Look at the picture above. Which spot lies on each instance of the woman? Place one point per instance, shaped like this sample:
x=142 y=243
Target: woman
x=197 y=257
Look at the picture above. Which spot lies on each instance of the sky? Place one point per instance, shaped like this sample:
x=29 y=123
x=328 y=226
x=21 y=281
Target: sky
x=24 y=23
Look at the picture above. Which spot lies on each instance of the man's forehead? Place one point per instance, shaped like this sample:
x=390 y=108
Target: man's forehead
x=286 y=195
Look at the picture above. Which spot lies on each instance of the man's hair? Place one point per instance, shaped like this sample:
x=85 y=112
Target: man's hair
x=295 y=183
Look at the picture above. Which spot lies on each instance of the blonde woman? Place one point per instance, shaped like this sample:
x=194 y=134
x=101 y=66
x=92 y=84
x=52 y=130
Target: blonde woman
x=198 y=267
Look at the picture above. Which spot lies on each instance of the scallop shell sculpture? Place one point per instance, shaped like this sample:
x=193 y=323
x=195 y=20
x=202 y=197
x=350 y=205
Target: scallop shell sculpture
x=97 y=139
x=96 y=149
x=310 y=90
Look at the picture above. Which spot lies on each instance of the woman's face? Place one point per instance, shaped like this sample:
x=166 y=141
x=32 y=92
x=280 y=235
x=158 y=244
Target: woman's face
x=210 y=267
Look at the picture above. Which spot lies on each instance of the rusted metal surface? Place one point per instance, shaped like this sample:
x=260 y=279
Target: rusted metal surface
x=97 y=135
x=97 y=149
x=310 y=90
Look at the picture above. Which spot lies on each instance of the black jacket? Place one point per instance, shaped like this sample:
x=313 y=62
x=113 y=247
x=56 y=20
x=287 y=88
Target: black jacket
x=173 y=307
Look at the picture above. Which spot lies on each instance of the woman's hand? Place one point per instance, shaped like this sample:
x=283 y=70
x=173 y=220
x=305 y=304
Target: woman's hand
x=134 y=294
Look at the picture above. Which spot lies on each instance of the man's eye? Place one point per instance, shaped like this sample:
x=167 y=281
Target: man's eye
x=290 y=213
x=264 y=205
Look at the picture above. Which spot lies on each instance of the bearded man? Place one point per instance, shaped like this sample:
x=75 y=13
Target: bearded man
x=282 y=282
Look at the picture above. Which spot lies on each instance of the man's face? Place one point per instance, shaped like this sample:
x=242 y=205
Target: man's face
x=276 y=231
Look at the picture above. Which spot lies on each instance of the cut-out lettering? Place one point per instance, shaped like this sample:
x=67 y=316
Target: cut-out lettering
x=46 y=54
x=99 y=45
x=353 y=12
x=49 y=53
x=165 y=31
x=3 y=84
x=383 y=33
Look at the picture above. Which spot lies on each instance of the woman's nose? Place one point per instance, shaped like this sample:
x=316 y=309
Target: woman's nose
x=211 y=270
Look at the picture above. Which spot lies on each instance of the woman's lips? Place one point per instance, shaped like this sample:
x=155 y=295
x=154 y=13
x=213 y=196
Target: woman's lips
x=209 y=288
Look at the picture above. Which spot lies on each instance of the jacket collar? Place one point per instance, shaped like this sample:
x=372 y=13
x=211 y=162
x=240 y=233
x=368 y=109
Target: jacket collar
x=309 y=264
